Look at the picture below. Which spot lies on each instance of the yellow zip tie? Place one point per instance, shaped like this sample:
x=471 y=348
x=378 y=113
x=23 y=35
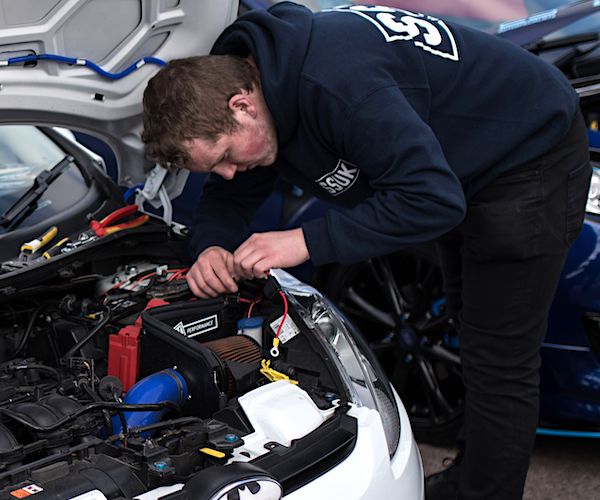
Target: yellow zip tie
x=273 y=375
x=213 y=453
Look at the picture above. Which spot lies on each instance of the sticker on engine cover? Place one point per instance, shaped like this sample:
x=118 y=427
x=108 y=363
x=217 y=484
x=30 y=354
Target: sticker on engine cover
x=26 y=491
x=288 y=331
x=197 y=327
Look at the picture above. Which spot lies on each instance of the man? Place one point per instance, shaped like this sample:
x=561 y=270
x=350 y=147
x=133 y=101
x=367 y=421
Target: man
x=421 y=130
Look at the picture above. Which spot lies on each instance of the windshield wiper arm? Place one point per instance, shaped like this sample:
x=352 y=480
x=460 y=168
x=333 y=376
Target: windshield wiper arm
x=566 y=41
x=29 y=199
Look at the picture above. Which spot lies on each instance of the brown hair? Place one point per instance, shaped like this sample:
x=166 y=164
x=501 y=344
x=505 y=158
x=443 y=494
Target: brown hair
x=188 y=99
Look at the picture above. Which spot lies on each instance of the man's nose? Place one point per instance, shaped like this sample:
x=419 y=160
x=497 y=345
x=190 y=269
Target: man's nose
x=226 y=171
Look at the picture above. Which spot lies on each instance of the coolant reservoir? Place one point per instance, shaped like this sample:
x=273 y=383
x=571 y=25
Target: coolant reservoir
x=279 y=412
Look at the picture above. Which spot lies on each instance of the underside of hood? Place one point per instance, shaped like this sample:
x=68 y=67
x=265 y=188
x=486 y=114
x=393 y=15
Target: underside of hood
x=112 y=34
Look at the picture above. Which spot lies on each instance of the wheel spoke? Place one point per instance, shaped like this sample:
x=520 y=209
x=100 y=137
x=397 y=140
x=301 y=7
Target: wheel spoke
x=434 y=389
x=442 y=354
x=366 y=308
x=397 y=301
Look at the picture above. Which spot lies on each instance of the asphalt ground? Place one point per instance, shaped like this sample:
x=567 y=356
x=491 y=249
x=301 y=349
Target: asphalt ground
x=561 y=468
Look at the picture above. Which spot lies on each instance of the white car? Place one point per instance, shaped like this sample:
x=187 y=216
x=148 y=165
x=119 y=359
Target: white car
x=114 y=381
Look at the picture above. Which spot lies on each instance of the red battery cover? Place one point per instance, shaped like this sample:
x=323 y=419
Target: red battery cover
x=124 y=350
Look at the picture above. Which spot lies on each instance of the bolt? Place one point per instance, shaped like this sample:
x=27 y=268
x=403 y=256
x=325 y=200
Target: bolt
x=329 y=396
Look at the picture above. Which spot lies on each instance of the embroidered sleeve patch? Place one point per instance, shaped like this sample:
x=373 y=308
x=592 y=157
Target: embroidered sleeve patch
x=340 y=179
x=425 y=32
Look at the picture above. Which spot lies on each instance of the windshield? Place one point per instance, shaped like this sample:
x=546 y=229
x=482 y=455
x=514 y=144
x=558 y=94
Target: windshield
x=24 y=152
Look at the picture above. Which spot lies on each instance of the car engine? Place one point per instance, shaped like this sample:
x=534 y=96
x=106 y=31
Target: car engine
x=114 y=378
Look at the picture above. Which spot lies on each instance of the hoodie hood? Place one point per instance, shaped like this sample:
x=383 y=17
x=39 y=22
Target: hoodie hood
x=277 y=39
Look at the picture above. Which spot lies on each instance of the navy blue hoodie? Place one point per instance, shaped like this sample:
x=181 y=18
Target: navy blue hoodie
x=398 y=117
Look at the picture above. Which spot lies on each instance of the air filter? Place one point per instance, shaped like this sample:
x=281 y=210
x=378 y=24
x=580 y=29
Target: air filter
x=241 y=357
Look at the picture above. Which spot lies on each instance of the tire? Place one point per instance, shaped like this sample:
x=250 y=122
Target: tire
x=397 y=303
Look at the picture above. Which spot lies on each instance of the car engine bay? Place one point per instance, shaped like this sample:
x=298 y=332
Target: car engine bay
x=113 y=377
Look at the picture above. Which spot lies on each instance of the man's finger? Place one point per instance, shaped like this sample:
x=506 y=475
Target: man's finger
x=223 y=270
x=261 y=268
x=246 y=265
x=215 y=282
x=196 y=290
x=205 y=280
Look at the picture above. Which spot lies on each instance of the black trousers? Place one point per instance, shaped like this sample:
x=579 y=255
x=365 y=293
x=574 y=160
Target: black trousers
x=501 y=267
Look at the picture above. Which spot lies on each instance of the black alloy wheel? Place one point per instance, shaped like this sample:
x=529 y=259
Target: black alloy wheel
x=398 y=303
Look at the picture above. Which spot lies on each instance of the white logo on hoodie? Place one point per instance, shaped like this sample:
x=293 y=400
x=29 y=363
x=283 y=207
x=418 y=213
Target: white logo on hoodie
x=339 y=179
x=426 y=32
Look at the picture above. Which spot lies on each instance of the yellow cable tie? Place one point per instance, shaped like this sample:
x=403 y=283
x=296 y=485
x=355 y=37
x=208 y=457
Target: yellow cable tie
x=272 y=374
x=212 y=453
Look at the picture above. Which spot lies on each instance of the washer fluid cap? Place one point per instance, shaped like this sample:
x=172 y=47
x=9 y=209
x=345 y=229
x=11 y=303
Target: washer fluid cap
x=253 y=322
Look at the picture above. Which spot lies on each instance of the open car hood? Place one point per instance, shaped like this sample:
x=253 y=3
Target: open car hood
x=113 y=34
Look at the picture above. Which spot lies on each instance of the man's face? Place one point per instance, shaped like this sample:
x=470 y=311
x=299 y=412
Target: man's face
x=252 y=144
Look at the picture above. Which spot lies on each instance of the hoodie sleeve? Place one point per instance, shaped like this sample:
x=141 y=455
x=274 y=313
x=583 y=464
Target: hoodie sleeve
x=226 y=208
x=417 y=197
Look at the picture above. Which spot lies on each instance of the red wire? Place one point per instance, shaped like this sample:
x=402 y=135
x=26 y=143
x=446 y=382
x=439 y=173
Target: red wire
x=177 y=273
x=252 y=307
x=142 y=279
x=285 y=311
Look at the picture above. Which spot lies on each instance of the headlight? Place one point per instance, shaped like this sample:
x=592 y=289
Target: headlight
x=356 y=362
x=365 y=379
x=593 y=201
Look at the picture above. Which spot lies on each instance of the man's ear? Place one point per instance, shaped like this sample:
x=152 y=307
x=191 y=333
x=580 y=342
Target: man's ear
x=244 y=103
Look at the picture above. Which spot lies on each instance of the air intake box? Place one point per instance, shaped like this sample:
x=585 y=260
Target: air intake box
x=193 y=338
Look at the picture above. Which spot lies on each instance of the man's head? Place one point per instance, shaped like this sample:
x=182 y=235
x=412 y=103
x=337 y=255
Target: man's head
x=208 y=114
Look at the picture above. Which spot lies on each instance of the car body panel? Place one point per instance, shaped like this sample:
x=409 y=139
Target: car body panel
x=368 y=474
x=53 y=93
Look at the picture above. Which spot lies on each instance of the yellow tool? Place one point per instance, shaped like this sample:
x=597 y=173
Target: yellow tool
x=34 y=245
x=55 y=249
x=27 y=251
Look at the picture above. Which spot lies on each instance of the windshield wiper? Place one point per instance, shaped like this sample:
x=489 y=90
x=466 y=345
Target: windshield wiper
x=558 y=43
x=26 y=203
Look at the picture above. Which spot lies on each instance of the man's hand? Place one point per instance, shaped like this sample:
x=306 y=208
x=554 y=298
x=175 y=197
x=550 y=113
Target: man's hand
x=212 y=273
x=263 y=251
